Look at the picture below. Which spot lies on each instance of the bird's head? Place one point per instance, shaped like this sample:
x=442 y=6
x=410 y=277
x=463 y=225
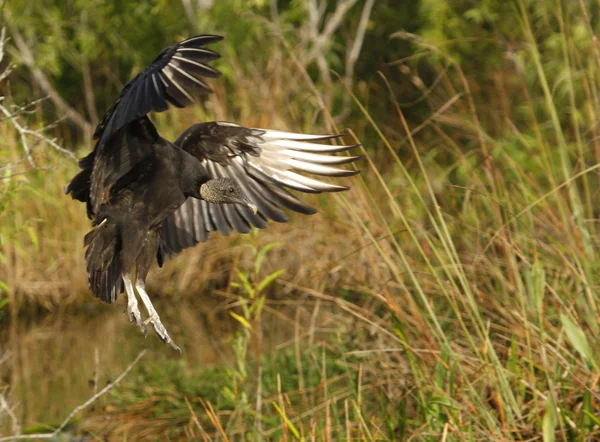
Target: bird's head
x=225 y=191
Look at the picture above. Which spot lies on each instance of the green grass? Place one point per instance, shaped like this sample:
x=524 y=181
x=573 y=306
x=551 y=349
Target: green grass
x=451 y=295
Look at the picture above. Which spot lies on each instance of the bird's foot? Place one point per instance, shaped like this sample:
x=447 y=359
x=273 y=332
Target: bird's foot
x=161 y=331
x=135 y=317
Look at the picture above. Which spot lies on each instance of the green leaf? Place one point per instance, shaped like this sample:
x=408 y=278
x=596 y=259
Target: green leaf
x=263 y=253
x=33 y=237
x=269 y=279
x=289 y=424
x=592 y=417
x=441 y=400
x=241 y=320
x=246 y=283
x=259 y=305
x=549 y=422
x=578 y=340
x=589 y=418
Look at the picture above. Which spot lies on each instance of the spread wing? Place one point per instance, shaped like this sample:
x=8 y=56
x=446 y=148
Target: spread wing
x=175 y=76
x=125 y=135
x=265 y=163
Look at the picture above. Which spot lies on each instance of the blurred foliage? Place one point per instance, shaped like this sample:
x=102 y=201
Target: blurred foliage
x=118 y=39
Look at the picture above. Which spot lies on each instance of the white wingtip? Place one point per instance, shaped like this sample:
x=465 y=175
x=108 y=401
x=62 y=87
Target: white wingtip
x=277 y=134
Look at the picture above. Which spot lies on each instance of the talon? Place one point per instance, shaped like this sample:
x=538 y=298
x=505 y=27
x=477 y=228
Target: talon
x=133 y=312
x=161 y=331
x=135 y=317
x=153 y=317
x=175 y=346
x=143 y=328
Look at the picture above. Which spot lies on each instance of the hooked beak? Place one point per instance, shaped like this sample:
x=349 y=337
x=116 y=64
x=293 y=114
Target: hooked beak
x=250 y=205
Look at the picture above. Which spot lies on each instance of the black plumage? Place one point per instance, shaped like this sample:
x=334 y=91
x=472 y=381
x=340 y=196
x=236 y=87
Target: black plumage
x=149 y=198
x=260 y=161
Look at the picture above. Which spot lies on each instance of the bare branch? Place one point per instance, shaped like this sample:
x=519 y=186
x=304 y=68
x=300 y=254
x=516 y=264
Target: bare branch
x=78 y=409
x=321 y=40
x=16 y=427
x=45 y=84
x=4 y=407
x=24 y=132
x=24 y=109
x=4 y=359
x=335 y=21
x=274 y=12
x=352 y=56
x=88 y=84
x=3 y=41
x=189 y=13
x=203 y=5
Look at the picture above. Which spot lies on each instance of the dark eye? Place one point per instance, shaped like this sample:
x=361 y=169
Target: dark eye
x=231 y=190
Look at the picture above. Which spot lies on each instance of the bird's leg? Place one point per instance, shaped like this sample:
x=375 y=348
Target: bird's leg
x=132 y=304
x=153 y=317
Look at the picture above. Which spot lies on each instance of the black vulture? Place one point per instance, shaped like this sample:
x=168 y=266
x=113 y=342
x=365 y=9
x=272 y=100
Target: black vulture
x=149 y=198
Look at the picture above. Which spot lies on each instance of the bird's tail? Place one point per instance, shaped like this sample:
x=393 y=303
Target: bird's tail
x=79 y=187
x=103 y=260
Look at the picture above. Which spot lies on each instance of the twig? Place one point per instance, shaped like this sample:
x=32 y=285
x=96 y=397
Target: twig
x=4 y=359
x=78 y=409
x=25 y=109
x=13 y=116
x=45 y=84
x=321 y=40
x=335 y=21
x=302 y=69
x=16 y=427
x=24 y=131
x=3 y=41
x=21 y=131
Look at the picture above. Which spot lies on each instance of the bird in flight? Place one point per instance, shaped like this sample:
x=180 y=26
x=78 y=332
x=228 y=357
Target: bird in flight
x=149 y=198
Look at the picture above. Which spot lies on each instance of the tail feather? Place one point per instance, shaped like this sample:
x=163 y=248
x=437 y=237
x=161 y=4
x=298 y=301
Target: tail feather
x=103 y=260
x=79 y=187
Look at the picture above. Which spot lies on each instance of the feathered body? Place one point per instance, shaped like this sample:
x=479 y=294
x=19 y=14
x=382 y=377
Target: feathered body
x=149 y=198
